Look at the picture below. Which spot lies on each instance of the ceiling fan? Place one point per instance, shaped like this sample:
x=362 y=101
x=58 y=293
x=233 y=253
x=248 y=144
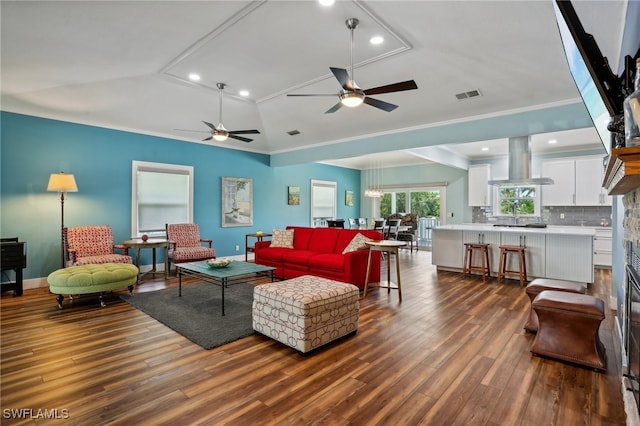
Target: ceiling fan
x=351 y=95
x=221 y=134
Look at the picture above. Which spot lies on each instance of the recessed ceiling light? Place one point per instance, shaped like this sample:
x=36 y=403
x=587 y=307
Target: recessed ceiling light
x=327 y=2
x=376 y=40
x=552 y=141
x=485 y=148
x=194 y=77
x=243 y=93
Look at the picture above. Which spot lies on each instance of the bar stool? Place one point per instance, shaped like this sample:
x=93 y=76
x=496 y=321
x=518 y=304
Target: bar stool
x=522 y=263
x=483 y=249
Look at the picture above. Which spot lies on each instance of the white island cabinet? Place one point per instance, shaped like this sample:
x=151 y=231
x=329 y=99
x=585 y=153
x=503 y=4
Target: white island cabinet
x=553 y=252
x=449 y=252
x=534 y=253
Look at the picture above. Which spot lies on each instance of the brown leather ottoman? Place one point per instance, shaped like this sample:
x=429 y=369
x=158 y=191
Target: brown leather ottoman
x=540 y=284
x=568 y=326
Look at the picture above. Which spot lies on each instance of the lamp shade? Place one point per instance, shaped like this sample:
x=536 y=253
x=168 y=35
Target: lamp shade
x=62 y=182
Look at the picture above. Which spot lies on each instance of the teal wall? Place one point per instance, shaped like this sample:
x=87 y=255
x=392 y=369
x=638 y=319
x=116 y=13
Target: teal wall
x=32 y=148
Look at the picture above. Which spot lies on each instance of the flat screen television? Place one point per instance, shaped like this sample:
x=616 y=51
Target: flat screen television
x=599 y=87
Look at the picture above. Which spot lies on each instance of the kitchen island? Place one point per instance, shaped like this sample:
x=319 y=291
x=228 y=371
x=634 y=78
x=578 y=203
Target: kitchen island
x=558 y=252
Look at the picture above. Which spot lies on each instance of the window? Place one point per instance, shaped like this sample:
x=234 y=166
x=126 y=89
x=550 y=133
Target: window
x=160 y=194
x=518 y=200
x=323 y=202
x=422 y=203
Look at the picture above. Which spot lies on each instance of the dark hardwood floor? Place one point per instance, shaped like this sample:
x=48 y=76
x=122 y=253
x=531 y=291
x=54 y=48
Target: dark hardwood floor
x=453 y=352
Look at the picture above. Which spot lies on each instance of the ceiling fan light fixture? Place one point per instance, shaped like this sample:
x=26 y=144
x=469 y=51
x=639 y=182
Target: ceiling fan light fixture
x=220 y=137
x=351 y=99
x=220 y=133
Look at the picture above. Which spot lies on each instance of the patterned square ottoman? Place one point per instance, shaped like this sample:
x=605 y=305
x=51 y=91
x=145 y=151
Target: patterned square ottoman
x=306 y=312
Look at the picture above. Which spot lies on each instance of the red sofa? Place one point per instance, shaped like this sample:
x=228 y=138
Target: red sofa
x=318 y=251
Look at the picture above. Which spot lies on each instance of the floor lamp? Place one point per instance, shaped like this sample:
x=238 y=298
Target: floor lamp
x=61 y=183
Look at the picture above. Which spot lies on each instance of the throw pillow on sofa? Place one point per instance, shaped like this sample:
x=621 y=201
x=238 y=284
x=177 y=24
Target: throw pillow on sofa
x=282 y=238
x=357 y=243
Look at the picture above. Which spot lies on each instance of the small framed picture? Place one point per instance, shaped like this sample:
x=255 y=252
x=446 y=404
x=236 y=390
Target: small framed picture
x=293 y=198
x=348 y=198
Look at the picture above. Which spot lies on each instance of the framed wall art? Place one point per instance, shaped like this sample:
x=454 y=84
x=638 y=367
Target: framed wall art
x=237 y=202
x=348 y=198
x=293 y=197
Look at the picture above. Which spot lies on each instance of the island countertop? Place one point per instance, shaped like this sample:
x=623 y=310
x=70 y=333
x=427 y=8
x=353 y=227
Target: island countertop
x=549 y=230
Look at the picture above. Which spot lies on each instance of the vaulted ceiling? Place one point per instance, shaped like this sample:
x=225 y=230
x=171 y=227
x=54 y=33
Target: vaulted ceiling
x=126 y=65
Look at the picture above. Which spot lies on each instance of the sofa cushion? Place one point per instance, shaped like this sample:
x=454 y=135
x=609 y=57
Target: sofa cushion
x=274 y=254
x=323 y=240
x=297 y=257
x=327 y=262
x=357 y=243
x=301 y=237
x=282 y=238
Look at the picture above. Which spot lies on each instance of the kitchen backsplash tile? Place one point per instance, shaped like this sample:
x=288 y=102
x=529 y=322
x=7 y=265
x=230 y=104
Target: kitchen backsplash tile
x=561 y=216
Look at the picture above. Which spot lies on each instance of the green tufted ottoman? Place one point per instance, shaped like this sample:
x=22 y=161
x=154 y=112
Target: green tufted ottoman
x=85 y=279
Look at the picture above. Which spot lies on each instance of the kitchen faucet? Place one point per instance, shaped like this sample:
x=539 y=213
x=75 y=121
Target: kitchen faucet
x=515 y=216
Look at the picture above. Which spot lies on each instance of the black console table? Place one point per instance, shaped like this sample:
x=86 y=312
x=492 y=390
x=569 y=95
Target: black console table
x=13 y=257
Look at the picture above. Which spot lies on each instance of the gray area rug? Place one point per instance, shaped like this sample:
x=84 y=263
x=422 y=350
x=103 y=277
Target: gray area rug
x=197 y=314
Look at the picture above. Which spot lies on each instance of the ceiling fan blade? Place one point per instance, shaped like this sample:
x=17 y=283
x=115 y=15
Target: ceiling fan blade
x=396 y=87
x=244 y=132
x=240 y=138
x=207 y=139
x=312 y=94
x=380 y=104
x=342 y=76
x=210 y=125
x=334 y=108
x=191 y=130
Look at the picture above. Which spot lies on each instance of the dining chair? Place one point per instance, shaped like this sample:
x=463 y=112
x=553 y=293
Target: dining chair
x=392 y=228
x=353 y=223
x=335 y=223
x=362 y=222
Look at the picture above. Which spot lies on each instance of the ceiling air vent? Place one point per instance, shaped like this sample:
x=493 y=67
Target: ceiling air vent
x=470 y=94
x=293 y=132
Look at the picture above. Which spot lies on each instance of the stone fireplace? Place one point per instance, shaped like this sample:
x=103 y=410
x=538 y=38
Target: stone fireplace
x=630 y=317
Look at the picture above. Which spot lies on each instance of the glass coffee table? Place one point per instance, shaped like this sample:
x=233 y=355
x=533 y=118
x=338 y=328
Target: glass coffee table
x=234 y=273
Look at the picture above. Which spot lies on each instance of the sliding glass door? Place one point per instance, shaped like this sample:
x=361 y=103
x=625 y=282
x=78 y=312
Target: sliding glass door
x=426 y=202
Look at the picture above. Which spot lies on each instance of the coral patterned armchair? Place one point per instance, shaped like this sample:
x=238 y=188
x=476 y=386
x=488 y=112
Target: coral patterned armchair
x=86 y=245
x=185 y=244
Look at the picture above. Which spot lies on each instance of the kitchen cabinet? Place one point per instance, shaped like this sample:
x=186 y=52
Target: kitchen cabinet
x=534 y=254
x=562 y=191
x=577 y=182
x=484 y=237
x=602 y=248
x=589 y=174
x=479 y=188
x=569 y=257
